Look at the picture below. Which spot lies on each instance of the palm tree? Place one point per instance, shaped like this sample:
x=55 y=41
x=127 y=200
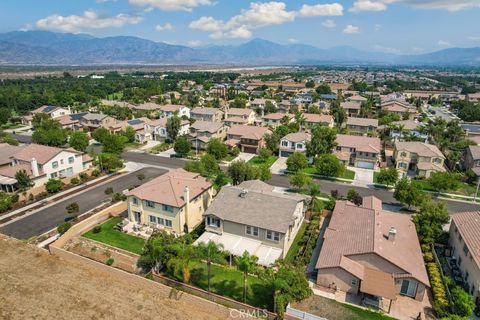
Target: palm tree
x=179 y=263
x=314 y=192
x=276 y=283
x=247 y=264
x=211 y=252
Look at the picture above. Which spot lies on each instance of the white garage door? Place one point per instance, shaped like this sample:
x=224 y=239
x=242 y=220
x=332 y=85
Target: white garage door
x=365 y=165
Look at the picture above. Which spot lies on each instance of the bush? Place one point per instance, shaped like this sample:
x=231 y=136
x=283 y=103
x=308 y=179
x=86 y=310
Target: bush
x=74 y=181
x=109 y=261
x=53 y=185
x=297 y=161
x=428 y=257
x=95 y=173
x=109 y=191
x=83 y=177
x=235 y=151
x=6 y=201
x=64 y=227
x=97 y=229
x=117 y=197
x=441 y=304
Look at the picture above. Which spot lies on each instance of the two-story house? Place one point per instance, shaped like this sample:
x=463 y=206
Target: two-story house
x=352 y=108
x=239 y=116
x=248 y=138
x=93 y=121
x=157 y=130
x=206 y=114
x=276 y=119
x=400 y=108
x=168 y=110
x=42 y=163
x=252 y=217
x=465 y=243
x=293 y=142
x=174 y=202
x=359 y=151
x=260 y=103
x=361 y=126
x=471 y=159
x=312 y=119
x=418 y=158
x=201 y=132
x=53 y=112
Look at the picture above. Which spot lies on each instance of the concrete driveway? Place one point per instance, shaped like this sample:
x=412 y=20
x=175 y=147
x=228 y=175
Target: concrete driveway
x=363 y=177
x=244 y=156
x=279 y=166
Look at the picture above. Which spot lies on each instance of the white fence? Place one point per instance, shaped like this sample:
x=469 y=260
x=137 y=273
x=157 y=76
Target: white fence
x=302 y=314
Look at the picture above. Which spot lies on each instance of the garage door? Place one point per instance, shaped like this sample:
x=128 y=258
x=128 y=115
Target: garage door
x=285 y=154
x=365 y=165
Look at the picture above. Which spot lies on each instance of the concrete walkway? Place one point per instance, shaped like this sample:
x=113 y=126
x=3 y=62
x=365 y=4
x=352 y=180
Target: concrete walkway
x=279 y=166
x=244 y=156
x=149 y=145
x=363 y=177
x=166 y=154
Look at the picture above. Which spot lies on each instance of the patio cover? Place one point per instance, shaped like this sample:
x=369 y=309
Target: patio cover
x=6 y=180
x=378 y=283
x=237 y=245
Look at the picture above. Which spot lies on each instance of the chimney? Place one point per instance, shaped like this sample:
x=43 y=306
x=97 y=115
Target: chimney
x=243 y=193
x=34 y=166
x=392 y=233
x=186 y=198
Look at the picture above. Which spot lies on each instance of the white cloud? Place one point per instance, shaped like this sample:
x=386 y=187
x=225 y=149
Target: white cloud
x=329 y=23
x=89 y=20
x=171 y=5
x=384 y=49
x=292 y=40
x=367 y=5
x=417 y=49
x=377 y=27
x=194 y=43
x=443 y=43
x=321 y=10
x=260 y=14
x=474 y=38
x=166 y=27
x=351 y=29
x=450 y=5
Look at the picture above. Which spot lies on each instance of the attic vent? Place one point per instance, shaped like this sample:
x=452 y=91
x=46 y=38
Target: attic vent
x=243 y=193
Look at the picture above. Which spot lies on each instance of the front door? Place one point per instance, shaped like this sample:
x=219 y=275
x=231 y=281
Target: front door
x=137 y=216
x=409 y=288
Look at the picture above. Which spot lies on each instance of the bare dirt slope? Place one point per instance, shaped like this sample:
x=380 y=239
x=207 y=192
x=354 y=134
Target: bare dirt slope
x=37 y=285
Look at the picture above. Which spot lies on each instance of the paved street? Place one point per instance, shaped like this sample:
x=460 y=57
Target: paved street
x=282 y=181
x=50 y=217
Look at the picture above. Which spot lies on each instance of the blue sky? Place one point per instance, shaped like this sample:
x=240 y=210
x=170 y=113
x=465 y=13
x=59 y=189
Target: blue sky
x=396 y=26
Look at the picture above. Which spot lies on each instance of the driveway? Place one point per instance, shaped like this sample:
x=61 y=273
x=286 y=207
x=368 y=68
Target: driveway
x=149 y=145
x=363 y=177
x=279 y=166
x=167 y=153
x=244 y=156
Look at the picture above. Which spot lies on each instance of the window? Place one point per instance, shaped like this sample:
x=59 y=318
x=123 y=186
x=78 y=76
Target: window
x=150 y=204
x=409 y=288
x=354 y=282
x=153 y=219
x=465 y=250
x=61 y=161
x=161 y=221
x=55 y=164
x=168 y=223
x=437 y=160
x=134 y=200
x=272 y=235
x=213 y=222
x=299 y=145
x=54 y=175
x=167 y=208
x=71 y=159
x=403 y=154
x=251 y=231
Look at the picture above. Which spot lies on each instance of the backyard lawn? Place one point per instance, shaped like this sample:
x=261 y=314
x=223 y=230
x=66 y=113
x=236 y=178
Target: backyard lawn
x=114 y=238
x=257 y=161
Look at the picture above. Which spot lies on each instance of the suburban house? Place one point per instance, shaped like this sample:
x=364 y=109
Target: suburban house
x=471 y=159
x=135 y=124
x=407 y=127
x=352 y=108
x=465 y=243
x=286 y=106
x=359 y=151
x=400 y=108
x=52 y=111
x=373 y=253
x=201 y=132
x=157 y=130
x=260 y=103
x=252 y=217
x=206 y=114
x=418 y=158
x=361 y=126
x=313 y=119
x=293 y=142
x=275 y=119
x=236 y=116
x=248 y=138
x=41 y=163
x=93 y=121
x=173 y=202
x=473 y=97
x=356 y=98
x=168 y=110
x=71 y=121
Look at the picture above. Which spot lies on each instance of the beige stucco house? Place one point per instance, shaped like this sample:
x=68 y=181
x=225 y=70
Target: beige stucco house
x=358 y=151
x=361 y=126
x=206 y=114
x=201 y=132
x=174 y=202
x=418 y=158
x=252 y=217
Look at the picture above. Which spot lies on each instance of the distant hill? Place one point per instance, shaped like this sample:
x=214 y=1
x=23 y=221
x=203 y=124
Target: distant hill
x=50 y=48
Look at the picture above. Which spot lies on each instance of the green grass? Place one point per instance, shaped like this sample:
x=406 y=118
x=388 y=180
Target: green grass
x=463 y=188
x=257 y=161
x=115 y=96
x=116 y=238
x=228 y=282
x=296 y=245
x=366 y=314
x=7 y=126
x=347 y=174
x=133 y=145
x=228 y=158
x=160 y=148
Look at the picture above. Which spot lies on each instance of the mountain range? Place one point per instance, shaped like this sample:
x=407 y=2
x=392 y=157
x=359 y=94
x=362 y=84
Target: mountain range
x=50 y=48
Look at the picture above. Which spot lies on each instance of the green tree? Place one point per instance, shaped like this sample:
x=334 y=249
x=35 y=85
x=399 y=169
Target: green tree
x=99 y=134
x=271 y=141
x=211 y=253
x=108 y=162
x=108 y=191
x=5 y=114
x=241 y=171
x=23 y=180
x=79 y=141
x=354 y=197
x=179 y=263
x=430 y=219
x=388 y=176
x=444 y=181
x=114 y=143
x=310 y=84
x=129 y=134
x=264 y=154
x=49 y=132
x=64 y=227
x=408 y=192
x=300 y=180
x=209 y=165
x=173 y=127
x=217 y=148
x=322 y=142
x=182 y=146
x=297 y=161
x=53 y=185
x=265 y=173
x=329 y=165
x=323 y=89
x=73 y=208
x=247 y=264
x=463 y=304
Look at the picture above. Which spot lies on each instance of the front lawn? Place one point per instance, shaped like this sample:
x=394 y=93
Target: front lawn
x=257 y=161
x=347 y=174
x=114 y=238
x=463 y=188
x=11 y=126
x=133 y=145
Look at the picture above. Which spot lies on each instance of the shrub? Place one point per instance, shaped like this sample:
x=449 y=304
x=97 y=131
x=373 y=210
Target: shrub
x=109 y=261
x=117 y=196
x=441 y=304
x=64 y=227
x=6 y=201
x=95 y=173
x=73 y=208
x=53 y=185
x=31 y=197
x=83 y=177
x=428 y=257
x=75 y=181
x=109 y=191
x=97 y=229
x=235 y=151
